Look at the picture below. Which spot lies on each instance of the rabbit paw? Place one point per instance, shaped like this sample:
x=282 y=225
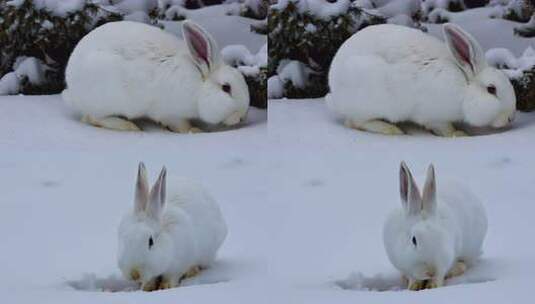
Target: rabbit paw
x=459 y=133
x=375 y=126
x=195 y=130
x=432 y=283
x=184 y=127
x=458 y=269
x=111 y=122
x=193 y=271
x=417 y=285
x=446 y=130
x=167 y=282
x=152 y=285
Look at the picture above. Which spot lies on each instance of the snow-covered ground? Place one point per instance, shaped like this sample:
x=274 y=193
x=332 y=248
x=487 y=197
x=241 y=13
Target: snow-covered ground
x=304 y=198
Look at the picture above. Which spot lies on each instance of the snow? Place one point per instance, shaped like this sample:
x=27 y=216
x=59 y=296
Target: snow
x=9 y=84
x=29 y=68
x=275 y=87
x=68 y=184
x=304 y=198
x=394 y=8
x=512 y=66
x=429 y=5
x=255 y=5
x=320 y=8
x=247 y=63
x=288 y=71
x=58 y=7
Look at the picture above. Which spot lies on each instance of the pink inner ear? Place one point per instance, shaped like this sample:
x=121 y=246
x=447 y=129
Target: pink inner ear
x=461 y=46
x=199 y=44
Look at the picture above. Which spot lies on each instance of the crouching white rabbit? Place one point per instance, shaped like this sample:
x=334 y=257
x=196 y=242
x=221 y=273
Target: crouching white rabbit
x=386 y=74
x=436 y=235
x=173 y=231
x=127 y=70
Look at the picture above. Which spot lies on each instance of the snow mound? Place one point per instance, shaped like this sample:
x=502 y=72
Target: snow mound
x=320 y=8
x=58 y=7
x=28 y=69
x=289 y=71
x=239 y=56
x=514 y=67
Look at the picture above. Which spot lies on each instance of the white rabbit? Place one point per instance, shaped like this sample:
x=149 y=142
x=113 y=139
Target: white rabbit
x=435 y=235
x=127 y=70
x=172 y=232
x=386 y=74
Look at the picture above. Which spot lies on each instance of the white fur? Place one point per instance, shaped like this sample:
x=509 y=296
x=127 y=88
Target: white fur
x=135 y=70
x=187 y=228
x=449 y=224
x=397 y=74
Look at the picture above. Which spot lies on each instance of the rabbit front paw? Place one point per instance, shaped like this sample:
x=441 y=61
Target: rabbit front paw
x=183 y=127
x=152 y=284
x=458 y=269
x=417 y=285
x=167 y=282
x=433 y=283
x=446 y=130
x=375 y=126
x=111 y=122
x=193 y=271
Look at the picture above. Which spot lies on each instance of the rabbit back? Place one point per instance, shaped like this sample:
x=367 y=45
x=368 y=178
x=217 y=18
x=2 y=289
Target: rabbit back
x=123 y=68
x=204 y=218
x=459 y=206
x=386 y=71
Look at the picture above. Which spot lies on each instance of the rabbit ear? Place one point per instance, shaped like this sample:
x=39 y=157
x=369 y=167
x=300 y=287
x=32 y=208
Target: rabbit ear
x=429 y=199
x=201 y=45
x=157 y=196
x=142 y=189
x=465 y=49
x=410 y=195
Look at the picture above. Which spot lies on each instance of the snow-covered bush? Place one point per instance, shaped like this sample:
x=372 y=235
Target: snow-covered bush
x=303 y=37
x=449 y=5
x=521 y=72
x=253 y=67
x=526 y=30
x=36 y=38
x=256 y=9
x=518 y=10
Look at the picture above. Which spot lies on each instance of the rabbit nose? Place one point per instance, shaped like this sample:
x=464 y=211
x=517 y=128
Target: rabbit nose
x=134 y=274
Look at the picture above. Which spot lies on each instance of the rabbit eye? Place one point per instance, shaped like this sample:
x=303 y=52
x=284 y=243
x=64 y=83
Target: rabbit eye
x=226 y=88
x=151 y=242
x=414 y=241
x=491 y=89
